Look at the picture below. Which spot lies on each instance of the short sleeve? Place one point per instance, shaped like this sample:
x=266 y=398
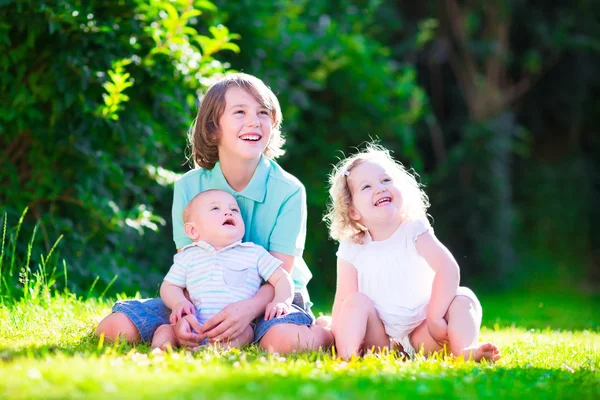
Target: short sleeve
x=289 y=233
x=266 y=263
x=419 y=227
x=179 y=203
x=177 y=274
x=347 y=251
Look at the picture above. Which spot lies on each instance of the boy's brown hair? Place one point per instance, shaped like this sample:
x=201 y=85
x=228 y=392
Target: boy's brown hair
x=204 y=135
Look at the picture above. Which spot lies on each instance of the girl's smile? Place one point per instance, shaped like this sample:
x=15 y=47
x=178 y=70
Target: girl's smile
x=376 y=197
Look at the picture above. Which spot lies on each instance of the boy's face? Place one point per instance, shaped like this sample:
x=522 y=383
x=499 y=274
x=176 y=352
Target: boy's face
x=376 y=196
x=215 y=218
x=245 y=126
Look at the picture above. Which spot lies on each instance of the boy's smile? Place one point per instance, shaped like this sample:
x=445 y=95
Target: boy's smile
x=245 y=126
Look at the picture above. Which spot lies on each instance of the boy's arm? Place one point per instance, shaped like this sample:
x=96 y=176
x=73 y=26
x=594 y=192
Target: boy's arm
x=445 y=283
x=171 y=294
x=347 y=283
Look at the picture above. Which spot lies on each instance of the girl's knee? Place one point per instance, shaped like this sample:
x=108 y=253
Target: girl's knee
x=358 y=300
x=118 y=324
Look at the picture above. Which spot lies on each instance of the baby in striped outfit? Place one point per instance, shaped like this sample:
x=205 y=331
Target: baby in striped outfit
x=218 y=269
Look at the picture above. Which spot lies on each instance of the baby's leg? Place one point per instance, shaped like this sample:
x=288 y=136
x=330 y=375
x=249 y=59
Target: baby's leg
x=358 y=327
x=464 y=321
x=164 y=337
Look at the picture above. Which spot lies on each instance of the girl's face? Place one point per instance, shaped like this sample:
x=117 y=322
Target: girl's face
x=245 y=126
x=376 y=197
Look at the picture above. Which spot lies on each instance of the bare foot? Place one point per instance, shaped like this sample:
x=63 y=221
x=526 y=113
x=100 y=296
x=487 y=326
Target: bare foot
x=482 y=351
x=164 y=338
x=324 y=321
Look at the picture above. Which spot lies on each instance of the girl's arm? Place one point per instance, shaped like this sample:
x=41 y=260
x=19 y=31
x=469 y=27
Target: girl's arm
x=347 y=283
x=447 y=274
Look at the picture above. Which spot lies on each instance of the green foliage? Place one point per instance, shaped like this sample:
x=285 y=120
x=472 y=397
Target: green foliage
x=338 y=87
x=97 y=99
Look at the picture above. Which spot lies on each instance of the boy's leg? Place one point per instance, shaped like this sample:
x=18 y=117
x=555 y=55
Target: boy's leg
x=118 y=325
x=247 y=336
x=163 y=337
x=358 y=327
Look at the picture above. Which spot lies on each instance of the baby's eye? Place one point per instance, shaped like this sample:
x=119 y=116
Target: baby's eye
x=235 y=210
x=366 y=187
x=386 y=180
x=214 y=208
x=264 y=112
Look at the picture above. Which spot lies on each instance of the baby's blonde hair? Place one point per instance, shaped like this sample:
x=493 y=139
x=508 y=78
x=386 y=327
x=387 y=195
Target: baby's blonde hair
x=341 y=225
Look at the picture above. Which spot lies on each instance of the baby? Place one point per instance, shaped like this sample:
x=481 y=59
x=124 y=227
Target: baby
x=218 y=269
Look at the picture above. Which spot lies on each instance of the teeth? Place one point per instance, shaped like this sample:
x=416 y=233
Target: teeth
x=253 y=138
x=382 y=201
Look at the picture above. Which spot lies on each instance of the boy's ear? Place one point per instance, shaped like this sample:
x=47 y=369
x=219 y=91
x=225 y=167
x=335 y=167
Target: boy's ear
x=191 y=231
x=355 y=215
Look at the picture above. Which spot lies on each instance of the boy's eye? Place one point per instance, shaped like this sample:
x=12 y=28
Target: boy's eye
x=235 y=210
x=214 y=208
x=386 y=180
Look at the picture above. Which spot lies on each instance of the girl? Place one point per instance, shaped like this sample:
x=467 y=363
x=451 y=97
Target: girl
x=396 y=283
x=234 y=141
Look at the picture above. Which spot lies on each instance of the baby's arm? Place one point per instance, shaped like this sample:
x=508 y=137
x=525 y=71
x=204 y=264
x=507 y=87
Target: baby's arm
x=347 y=283
x=174 y=298
x=281 y=280
x=445 y=283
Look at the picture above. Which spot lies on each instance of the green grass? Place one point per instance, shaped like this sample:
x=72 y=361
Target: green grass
x=48 y=351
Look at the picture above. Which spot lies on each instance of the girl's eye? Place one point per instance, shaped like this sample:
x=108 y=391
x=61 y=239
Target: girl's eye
x=366 y=187
x=265 y=112
x=386 y=180
x=238 y=112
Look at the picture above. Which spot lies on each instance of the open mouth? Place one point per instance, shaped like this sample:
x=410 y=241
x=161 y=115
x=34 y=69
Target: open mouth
x=251 y=137
x=229 y=222
x=383 y=201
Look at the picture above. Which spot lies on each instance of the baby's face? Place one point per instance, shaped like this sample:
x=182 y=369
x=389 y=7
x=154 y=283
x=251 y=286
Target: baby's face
x=217 y=218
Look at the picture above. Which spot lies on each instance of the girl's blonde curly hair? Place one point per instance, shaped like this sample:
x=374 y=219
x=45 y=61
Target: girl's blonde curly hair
x=341 y=225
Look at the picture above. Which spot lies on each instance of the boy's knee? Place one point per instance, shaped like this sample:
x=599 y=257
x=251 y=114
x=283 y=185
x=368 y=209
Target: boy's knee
x=118 y=324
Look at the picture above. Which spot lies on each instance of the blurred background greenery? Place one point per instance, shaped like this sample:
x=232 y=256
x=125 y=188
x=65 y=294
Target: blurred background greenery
x=494 y=103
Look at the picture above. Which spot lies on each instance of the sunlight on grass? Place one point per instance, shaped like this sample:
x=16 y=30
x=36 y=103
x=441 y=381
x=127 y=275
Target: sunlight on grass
x=48 y=351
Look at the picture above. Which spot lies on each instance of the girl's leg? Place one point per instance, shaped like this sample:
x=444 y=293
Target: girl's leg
x=464 y=321
x=358 y=327
x=118 y=324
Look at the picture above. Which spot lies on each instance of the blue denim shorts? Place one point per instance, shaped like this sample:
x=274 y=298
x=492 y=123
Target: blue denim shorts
x=148 y=314
x=299 y=315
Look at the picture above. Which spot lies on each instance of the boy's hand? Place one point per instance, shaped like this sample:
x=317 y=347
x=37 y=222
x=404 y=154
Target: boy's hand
x=274 y=310
x=182 y=308
x=438 y=329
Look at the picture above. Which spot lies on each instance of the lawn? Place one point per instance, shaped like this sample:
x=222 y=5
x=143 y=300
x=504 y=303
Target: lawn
x=550 y=345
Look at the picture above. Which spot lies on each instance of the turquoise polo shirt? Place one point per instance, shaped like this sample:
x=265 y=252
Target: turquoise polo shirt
x=273 y=206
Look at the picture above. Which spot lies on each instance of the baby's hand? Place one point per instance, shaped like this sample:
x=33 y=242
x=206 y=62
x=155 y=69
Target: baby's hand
x=273 y=310
x=438 y=329
x=182 y=308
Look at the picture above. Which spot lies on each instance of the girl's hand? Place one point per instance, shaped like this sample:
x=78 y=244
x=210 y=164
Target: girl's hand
x=228 y=323
x=438 y=329
x=180 y=309
x=183 y=332
x=274 y=310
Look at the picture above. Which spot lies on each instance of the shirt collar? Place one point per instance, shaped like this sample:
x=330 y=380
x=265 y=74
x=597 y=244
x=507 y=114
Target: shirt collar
x=206 y=246
x=256 y=188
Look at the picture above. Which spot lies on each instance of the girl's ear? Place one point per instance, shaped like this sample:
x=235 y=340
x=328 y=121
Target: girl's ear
x=191 y=231
x=355 y=215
